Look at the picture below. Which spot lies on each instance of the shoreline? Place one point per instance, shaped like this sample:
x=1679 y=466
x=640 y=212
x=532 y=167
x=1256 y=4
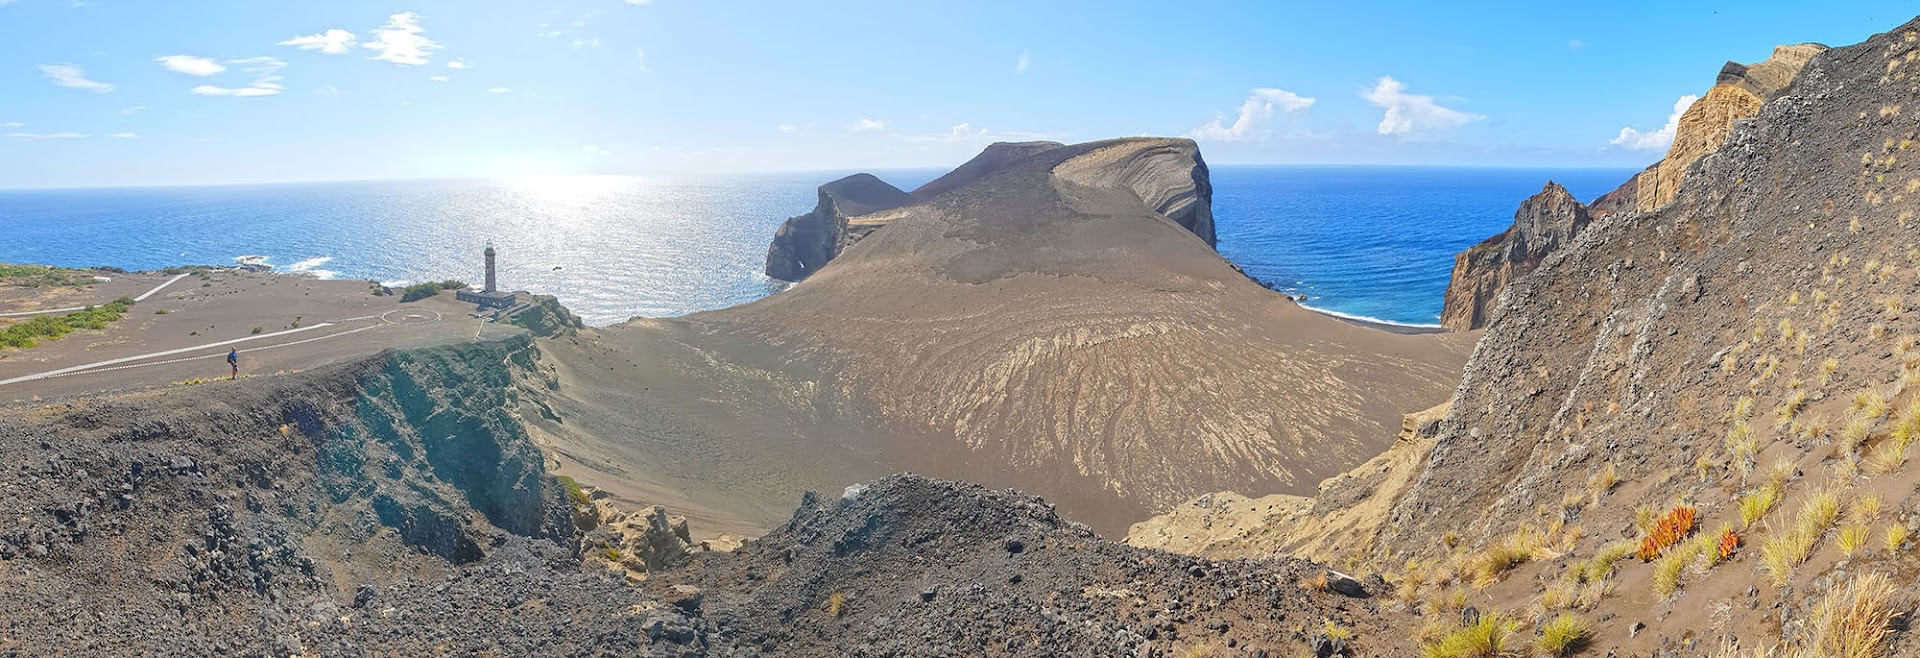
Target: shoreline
x=1376 y=323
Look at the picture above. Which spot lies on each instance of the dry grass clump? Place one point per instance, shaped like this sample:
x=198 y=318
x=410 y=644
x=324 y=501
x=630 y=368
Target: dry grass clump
x=1668 y=569
x=1789 y=408
x=1603 y=481
x=1515 y=549
x=1486 y=638
x=1856 y=620
x=1669 y=530
x=1562 y=636
x=1852 y=538
x=1784 y=552
x=1755 y=504
x=1896 y=538
x=1871 y=404
x=1855 y=433
x=836 y=604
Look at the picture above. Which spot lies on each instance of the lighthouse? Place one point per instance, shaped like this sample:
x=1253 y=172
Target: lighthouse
x=489 y=296
x=491 y=287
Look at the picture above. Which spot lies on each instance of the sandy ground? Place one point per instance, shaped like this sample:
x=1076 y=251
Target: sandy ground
x=302 y=322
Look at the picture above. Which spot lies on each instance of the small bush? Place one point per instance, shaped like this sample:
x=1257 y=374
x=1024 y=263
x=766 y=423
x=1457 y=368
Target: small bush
x=419 y=291
x=1563 y=635
x=256 y=330
x=574 y=492
x=1728 y=545
x=161 y=311
x=1895 y=538
x=33 y=331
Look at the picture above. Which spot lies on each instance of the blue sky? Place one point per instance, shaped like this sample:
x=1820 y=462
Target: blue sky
x=142 y=92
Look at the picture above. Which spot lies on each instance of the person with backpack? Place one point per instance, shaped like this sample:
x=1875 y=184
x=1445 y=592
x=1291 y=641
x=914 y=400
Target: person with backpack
x=233 y=359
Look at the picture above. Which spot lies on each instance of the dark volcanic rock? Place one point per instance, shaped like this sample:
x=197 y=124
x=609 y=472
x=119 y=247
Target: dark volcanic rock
x=911 y=566
x=805 y=243
x=1544 y=222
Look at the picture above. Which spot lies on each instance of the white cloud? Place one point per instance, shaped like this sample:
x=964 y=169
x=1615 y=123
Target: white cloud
x=1020 y=65
x=640 y=55
x=582 y=44
x=1576 y=44
x=13 y=124
x=439 y=78
x=865 y=125
x=1659 y=139
x=191 y=65
x=332 y=42
x=1254 y=113
x=61 y=135
x=456 y=64
x=402 y=41
x=266 y=82
x=639 y=2
x=965 y=133
x=124 y=136
x=595 y=151
x=134 y=110
x=73 y=77
x=787 y=128
x=1411 y=114
x=328 y=90
x=498 y=90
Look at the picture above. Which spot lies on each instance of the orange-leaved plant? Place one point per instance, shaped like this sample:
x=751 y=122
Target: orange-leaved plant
x=1675 y=526
x=1729 y=544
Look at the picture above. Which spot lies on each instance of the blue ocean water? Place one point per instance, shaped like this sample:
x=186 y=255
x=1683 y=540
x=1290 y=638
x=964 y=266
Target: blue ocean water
x=1367 y=241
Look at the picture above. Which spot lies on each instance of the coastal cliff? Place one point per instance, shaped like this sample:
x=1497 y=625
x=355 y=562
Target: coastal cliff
x=1544 y=222
x=1737 y=93
x=1552 y=218
x=805 y=243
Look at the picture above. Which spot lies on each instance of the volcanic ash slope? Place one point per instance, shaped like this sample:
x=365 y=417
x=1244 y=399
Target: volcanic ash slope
x=1054 y=320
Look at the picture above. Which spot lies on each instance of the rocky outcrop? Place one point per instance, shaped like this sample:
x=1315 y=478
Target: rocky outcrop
x=912 y=566
x=1623 y=199
x=1737 y=93
x=1169 y=178
x=1544 y=223
x=805 y=243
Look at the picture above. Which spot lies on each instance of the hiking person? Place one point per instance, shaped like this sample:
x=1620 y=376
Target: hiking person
x=233 y=359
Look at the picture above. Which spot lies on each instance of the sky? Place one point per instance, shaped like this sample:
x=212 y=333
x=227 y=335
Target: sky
x=144 y=92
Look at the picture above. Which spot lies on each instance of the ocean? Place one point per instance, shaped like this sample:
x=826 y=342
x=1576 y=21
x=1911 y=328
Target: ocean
x=1369 y=242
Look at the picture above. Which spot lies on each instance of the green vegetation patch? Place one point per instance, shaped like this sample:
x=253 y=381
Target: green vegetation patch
x=419 y=291
x=44 y=276
x=29 y=333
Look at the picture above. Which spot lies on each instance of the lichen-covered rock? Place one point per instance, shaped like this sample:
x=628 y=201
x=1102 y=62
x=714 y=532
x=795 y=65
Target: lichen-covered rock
x=1543 y=223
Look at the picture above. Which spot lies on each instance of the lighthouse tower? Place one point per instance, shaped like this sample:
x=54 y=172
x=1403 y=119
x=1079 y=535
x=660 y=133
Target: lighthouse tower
x=489 y=296
x=491 y=283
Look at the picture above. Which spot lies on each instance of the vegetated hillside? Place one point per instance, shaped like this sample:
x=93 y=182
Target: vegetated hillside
x=1690 y=428
x=1056 y=325
x=391 y=504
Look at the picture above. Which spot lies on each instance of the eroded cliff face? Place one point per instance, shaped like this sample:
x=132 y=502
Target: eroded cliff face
x=275 y=515
x=805 y=243
x=1545 y=222
x=1737 y=93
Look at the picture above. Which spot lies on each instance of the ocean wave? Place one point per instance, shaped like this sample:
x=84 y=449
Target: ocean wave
x=250 y=260
x=1369 y=318
x=311 y=267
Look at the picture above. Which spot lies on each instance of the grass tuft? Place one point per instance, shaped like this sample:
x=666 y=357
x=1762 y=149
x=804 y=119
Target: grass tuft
x=1563 y=635
x=1856 y=620
x=1486 y=638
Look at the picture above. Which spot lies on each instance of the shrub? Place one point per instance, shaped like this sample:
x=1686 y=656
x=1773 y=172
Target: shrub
x=1563 y=635
x=256 y=330
x=31 y=332
x=419 y=291
x=1486 y=638
x=1669 y=530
